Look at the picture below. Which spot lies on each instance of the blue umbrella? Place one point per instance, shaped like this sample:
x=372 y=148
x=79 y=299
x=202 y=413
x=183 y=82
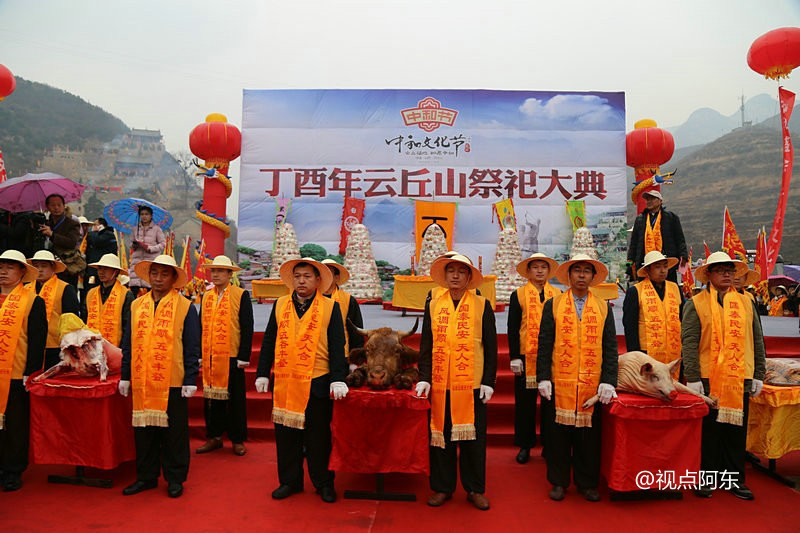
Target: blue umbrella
x=124 y=214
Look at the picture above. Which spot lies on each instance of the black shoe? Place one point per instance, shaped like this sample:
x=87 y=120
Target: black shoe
x=523 y=455
x=174 y=490
x=284 y=491
x=703 y=492
x=591 y=495
x=12 y=481
x=557 y=493
x=743 y=492
x=327 y=494
x=138 y=486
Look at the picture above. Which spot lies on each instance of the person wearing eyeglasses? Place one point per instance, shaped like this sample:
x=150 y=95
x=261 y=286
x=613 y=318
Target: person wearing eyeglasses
x=724 y=357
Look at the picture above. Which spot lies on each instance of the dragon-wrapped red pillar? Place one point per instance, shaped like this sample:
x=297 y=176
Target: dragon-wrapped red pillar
x=217 y=142
x=647 y=147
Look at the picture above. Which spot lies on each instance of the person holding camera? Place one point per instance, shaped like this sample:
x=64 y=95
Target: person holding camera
x=148 y=243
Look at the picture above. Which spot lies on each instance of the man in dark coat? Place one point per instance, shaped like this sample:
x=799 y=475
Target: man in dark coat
x=666 y=231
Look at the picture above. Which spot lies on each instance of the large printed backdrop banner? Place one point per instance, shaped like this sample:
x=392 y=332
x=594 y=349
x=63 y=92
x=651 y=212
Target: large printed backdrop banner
x=471 y=147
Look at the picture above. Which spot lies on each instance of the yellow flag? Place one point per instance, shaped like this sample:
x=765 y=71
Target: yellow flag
x=505 y=214
x=576 y=211
x=427 y=213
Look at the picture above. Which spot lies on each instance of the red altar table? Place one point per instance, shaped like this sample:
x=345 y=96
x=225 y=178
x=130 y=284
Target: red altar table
x=377 y=432
x=80 y=421
x=645 y=434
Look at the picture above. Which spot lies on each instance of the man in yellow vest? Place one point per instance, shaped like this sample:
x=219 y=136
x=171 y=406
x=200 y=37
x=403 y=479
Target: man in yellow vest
x=304 y=340
x=458 y=368
x=108 y=305
x=351 y=312
x=524 y=317
x=59 y=297
x=651 y=312
x=23 y=330
x=226 y=321
x=577 y=359
x=160 y=360
x=723 y=357
x=656 y=229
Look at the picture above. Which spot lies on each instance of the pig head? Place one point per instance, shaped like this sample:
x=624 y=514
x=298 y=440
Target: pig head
x=641 y=374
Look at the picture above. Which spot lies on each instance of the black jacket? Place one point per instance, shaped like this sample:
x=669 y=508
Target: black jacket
x=673 y=243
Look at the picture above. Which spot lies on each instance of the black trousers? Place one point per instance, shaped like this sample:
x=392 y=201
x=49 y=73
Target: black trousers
x=471 y=455
x=724 y=446
x=51 y=357
x=315 y=438
x=165 y=449
x=228 y=415
x=524 y=413
x=15 y=436
x=571 y=448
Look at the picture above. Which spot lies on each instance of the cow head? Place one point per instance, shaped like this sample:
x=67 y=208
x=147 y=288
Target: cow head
x=386 y=355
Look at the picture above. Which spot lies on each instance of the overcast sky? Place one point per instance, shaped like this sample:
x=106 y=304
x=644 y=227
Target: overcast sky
x=166 y=64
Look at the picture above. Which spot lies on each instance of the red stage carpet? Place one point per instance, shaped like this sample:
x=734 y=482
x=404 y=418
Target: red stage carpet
x=229 y=493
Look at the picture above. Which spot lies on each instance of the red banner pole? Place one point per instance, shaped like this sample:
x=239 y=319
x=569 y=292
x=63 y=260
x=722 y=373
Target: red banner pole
x=786 y=99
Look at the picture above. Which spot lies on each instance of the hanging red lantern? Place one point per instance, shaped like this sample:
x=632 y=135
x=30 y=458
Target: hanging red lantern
x=7 y=82
x=647 y=147
x=776 y=53
x=218 y=143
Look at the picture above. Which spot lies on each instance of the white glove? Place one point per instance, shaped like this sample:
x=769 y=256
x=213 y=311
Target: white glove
x=242 y=364
x=696 y=386
x=339 y=390
x=262 y=384
x=516 y=366
x=546 y=389
x=423 y=389
x=486 y=393
x=606 y=392
x=187 y=391
x=25 y=380
x=124 y=387
x=756 y=390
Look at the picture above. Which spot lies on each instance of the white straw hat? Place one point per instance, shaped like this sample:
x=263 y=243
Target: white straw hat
x=46 y=255
x=142 y=269
x=15 y=255
x=110 y=261
x=287 y=272
x=439 y=267
x=654 y=257
x=600 y=270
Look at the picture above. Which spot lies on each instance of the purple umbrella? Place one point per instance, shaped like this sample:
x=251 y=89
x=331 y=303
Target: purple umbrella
x=28 y=192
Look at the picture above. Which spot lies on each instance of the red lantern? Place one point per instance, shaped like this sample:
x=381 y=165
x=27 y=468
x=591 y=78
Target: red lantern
x=7 y=82
x=647 y=147
x=218 y=143
x=776 y=53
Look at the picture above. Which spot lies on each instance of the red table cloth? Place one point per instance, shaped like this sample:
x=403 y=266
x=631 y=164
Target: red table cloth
x=80 y=421
x=645 y=434
x=377 y=432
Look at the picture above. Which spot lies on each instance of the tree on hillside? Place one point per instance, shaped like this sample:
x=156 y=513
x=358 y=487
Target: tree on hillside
x=94 y=207
x=313 y=250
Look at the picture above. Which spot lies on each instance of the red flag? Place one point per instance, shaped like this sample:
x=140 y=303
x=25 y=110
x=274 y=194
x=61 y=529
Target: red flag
x=761 y=254
x=186 y=259
x=776 y=234
x=3 y=175
x=705 y=247
x=731 y=242
x=688 y=277
x=352 y=214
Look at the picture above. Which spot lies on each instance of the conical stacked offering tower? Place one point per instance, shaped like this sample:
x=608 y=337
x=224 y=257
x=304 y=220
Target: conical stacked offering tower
x=364 y=282
x=434 y=244
x=583 y=243
x=506 y=258
x=286 y=249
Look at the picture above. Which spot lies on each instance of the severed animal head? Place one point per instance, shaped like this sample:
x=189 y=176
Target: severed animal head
x=384 y=356
x=82 y=352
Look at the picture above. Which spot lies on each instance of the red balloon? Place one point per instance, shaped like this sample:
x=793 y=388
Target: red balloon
x=216 y=140
x=7 y=82
x=776 y=53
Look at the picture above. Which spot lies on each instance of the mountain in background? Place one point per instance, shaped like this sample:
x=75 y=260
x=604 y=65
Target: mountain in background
x=37 y=117
x=705 y=125
x=741 y=170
